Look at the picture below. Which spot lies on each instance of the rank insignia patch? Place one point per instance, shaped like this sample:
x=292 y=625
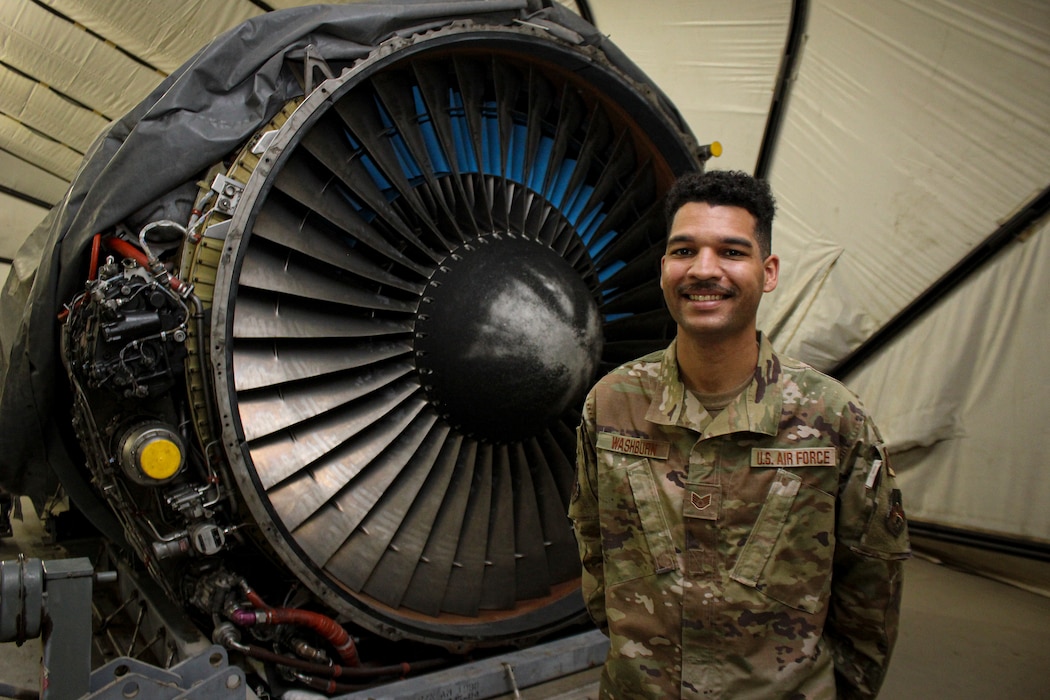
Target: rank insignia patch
x=895 y=519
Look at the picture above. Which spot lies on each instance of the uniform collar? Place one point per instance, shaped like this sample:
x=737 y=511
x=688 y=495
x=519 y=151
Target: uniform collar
x=757 y=409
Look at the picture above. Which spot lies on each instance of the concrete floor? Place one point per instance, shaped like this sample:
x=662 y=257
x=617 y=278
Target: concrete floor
x=968 y=637
x=963 y=636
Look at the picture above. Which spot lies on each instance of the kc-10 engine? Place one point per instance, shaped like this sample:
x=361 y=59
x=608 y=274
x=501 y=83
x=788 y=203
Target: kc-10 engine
x=339 y=390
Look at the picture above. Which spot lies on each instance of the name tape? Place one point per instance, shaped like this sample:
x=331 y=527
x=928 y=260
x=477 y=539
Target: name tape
x=633 y=446
x=795 y=457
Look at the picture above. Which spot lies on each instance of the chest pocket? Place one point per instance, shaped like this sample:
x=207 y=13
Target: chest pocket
x=788 y=556
x=635 y=533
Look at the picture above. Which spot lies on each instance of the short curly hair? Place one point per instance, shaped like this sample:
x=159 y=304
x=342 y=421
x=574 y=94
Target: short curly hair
x=733 y=188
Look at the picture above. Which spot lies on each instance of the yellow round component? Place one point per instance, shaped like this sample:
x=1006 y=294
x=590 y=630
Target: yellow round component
x=160 y=459
x=716 y=149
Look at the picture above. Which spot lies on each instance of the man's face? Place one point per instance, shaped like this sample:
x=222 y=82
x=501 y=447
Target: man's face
x=712 y=272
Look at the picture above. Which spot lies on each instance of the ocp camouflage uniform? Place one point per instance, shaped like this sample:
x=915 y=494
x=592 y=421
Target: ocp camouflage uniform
x=754 y=555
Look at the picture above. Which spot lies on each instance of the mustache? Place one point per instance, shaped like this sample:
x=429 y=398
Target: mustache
x=704 y=288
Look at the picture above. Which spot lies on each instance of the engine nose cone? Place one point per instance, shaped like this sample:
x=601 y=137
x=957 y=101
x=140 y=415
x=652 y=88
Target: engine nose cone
x=508 y=337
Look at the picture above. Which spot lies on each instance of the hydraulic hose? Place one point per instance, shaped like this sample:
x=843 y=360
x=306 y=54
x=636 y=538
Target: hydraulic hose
x=227 y=636
x=322 y=624
x=253 y=597
x=336 y=671
x=96 y=245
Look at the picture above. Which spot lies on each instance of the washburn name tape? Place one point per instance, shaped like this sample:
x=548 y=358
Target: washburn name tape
x=633 y=446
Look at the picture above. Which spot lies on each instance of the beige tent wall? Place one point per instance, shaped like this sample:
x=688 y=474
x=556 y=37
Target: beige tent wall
x=962 y=396
x=717 y=61
x=912 y=130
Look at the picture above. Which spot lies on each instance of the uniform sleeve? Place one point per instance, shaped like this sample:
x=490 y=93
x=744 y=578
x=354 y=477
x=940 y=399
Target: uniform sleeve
x=583 y=510
x=871 y=546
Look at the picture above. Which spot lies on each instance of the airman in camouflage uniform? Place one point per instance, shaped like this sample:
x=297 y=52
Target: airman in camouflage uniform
x=748 y=551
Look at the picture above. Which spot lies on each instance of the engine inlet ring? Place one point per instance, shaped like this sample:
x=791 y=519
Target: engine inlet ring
x=374 y=479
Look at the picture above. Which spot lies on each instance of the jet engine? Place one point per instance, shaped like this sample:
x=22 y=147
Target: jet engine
x=344 y=382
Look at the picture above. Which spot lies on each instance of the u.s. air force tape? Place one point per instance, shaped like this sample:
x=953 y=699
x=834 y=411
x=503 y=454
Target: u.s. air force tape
x=794 y=457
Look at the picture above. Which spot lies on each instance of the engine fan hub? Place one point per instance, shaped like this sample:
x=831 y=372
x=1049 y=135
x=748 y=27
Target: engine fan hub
x=508 y=337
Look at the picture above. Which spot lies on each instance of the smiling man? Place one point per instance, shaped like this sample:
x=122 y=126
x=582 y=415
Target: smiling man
x=737 y=519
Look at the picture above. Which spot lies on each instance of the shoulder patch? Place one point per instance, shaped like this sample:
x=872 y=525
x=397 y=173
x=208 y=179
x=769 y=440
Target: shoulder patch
x=895 y=519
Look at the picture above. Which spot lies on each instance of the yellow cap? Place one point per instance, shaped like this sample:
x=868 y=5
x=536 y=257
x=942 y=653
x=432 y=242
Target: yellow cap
x=716 y=149
x=160 y=459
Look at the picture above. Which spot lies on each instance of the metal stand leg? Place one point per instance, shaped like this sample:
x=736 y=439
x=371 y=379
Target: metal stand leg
x=67 y=628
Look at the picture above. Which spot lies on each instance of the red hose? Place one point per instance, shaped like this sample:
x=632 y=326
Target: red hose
x=323 y=625
x=254 y=598
x=127 y=250
x=96 y=244
x=361 y=673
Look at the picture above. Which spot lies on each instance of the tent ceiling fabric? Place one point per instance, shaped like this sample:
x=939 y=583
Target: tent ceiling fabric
x=969 y=433
x=717 y=61
x=912 y=129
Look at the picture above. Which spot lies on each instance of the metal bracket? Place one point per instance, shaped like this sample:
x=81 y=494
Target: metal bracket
x=207 y=676
x=263 y=142
x=228 y=193
x=217 y=231
x=314 y=61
